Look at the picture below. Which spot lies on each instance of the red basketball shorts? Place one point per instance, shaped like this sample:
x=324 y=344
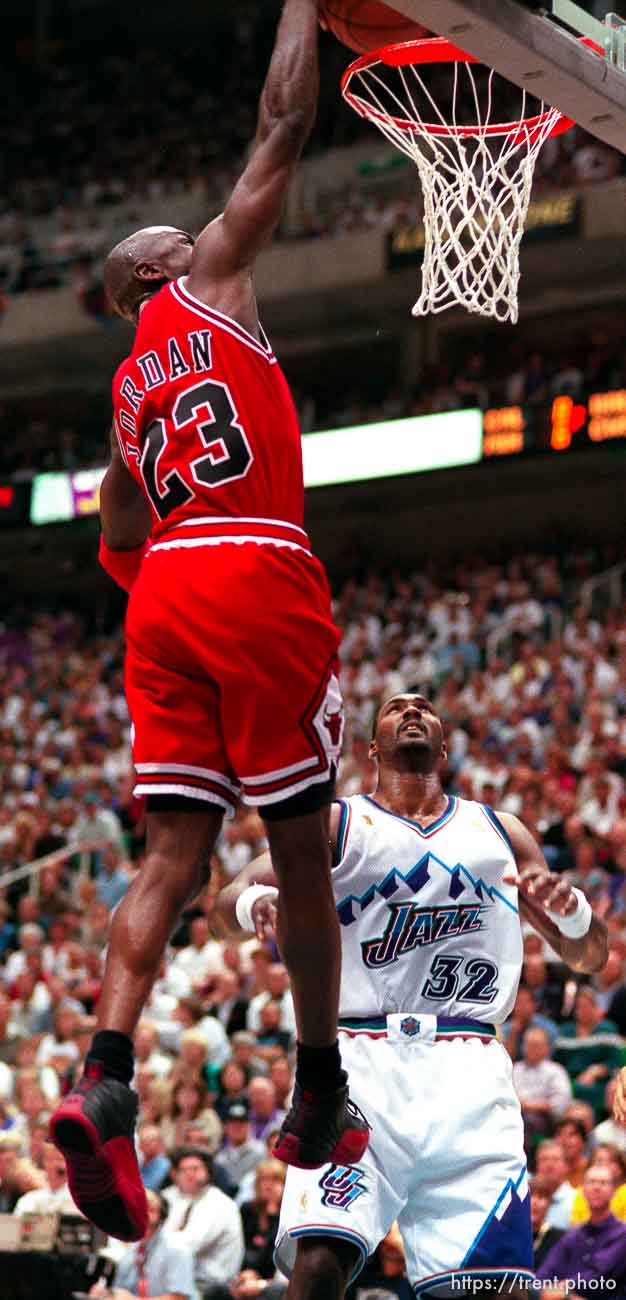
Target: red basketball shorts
x=231 y=666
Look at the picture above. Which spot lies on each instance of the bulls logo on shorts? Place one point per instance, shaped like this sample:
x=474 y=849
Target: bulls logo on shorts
x=329 y=720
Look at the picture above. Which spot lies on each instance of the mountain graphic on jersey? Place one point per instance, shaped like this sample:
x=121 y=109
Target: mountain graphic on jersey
x=460 y=881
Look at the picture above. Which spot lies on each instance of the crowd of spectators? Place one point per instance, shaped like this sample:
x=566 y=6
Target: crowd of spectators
x=85 y=158
x=532 y=690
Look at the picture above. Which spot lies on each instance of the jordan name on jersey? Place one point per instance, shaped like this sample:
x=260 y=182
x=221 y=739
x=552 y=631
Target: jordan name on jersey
x=427 y=923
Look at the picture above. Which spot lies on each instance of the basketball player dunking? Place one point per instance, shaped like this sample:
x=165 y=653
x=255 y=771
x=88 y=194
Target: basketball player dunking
x=429 y=891
x=231 y=649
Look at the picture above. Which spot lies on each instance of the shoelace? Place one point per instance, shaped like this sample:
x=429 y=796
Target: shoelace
x=356 y=1111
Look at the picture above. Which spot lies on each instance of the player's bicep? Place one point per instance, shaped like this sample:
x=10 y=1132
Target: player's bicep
x=527 y=852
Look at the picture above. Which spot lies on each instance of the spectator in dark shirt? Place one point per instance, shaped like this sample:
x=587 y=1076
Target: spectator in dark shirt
x=589 y=1048
x=547 y=984
x=544 y=1237
x=240 y=1151
x=595 y=1253
x=260 y=1218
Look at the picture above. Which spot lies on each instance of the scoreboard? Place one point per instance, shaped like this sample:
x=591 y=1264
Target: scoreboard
x=415 y=445
x=560 y=425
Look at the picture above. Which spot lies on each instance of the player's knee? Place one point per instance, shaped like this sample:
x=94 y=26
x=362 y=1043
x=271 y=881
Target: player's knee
x=323 y=1269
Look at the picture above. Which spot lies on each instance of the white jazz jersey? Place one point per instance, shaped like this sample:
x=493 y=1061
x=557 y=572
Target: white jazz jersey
x=427 y=921
x=432 y=951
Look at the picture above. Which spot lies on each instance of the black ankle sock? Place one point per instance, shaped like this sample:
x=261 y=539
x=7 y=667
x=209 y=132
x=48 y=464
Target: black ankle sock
x=319 y=1067
x=114 y=1052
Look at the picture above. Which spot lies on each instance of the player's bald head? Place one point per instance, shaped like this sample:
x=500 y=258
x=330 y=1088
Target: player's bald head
x=141 y=264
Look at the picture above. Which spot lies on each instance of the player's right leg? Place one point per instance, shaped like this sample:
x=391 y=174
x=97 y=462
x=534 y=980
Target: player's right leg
x=321 y=1124
x=94 y=1125
x=323 y=1268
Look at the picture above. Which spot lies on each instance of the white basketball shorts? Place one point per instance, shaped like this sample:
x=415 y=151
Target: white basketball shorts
x=445 y=1159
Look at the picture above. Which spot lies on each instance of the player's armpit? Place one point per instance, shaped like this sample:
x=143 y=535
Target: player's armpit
x=539 y=888
x=286 y=115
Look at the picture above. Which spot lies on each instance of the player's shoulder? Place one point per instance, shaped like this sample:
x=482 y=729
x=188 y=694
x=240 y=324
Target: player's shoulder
x=482 y=815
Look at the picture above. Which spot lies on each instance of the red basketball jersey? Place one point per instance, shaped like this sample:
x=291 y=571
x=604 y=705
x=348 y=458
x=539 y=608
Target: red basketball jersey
x=204 y=417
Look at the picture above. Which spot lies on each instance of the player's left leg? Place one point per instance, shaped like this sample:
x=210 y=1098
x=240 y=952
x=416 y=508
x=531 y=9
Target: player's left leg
x=323 y=1268
x=94 y=1125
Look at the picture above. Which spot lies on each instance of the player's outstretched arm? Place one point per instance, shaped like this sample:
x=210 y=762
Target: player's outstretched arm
x=260 y=873
x=286 y=115
x=541 y=892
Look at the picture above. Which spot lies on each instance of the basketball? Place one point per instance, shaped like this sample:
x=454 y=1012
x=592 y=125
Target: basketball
x=365 y=25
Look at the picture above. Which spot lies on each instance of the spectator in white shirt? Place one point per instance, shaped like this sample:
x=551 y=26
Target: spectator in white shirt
x=96 y=824
x=277 y=991
x=543 y=1086
x=189 y=1026
x=203 y=955
x=55 y=1197
x=30 y=938
x=147 y=1053
x=552 y=1167
x=31 y=1003
x=61 y=1043
x=203 y=1220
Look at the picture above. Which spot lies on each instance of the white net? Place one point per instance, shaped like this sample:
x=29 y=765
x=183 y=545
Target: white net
x=476 y=174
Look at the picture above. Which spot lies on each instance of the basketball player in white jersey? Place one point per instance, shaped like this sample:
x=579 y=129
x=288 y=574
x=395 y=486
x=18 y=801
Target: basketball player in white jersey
x=430 y=890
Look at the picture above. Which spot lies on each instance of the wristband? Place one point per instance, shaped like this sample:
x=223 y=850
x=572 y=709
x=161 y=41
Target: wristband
x=246 y=901
x=577 y=925
x=122 y=566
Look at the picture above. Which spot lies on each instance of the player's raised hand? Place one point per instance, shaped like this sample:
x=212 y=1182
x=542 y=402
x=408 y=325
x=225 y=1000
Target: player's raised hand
x=264 y=914
x=619 y=1100
x=545 y=890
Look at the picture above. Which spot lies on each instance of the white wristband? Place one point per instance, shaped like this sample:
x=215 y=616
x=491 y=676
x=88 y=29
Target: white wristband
x=245 y=902
x=578 y=923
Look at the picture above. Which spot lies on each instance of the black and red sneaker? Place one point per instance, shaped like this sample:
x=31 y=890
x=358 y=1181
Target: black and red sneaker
x=322 y=1127
x=93 y=1127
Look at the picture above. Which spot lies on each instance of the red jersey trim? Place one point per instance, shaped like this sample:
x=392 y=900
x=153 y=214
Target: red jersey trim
x=187 y=299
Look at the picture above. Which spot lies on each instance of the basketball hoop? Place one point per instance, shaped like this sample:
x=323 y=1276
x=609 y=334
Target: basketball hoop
x=476 y=173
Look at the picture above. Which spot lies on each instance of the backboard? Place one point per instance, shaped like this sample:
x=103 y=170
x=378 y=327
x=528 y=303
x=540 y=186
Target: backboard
x=543 y=51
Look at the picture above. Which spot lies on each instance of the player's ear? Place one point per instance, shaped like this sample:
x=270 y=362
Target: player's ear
x=372 y=751
x=148 y=271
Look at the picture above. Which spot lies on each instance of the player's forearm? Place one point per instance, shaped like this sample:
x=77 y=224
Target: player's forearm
x=289 y=97
x=585 y=955
x=589 y=954
x=258 y=872
x=124 y=512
